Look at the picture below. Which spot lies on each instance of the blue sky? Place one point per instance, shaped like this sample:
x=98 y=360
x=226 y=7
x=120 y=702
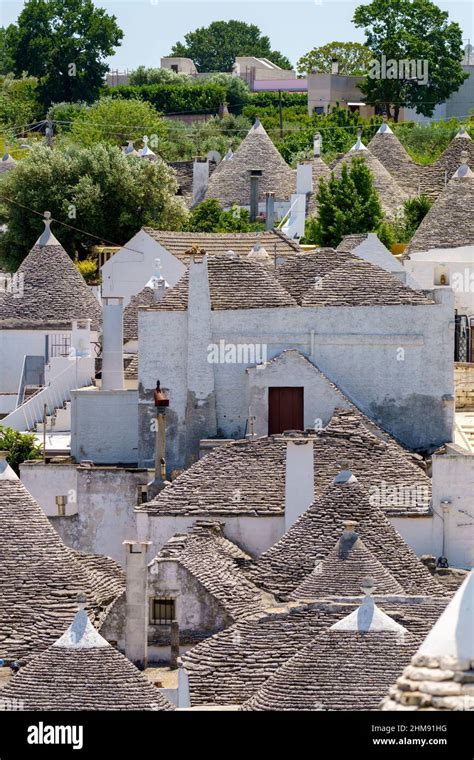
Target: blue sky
x=294 y=26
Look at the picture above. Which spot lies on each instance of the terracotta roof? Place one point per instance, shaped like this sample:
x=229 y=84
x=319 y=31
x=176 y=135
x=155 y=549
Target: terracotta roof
x=248 y=476
x=40 y=577
x=450 y=221
x=441 y=673
x=230 y=183
x=213 y=560
x=180 y=244
x=391 y=195
x=359 y=283
x=145 y=297
x=54 y=290
x=283 y=567
x=233 y=284
x=81 y=671
x=344 y=569
x=231 y=666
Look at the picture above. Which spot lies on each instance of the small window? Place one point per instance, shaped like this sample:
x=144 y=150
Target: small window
x=162 y=611
x=174 y=67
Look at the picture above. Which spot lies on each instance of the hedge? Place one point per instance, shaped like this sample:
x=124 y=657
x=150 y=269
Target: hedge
x=175 y=98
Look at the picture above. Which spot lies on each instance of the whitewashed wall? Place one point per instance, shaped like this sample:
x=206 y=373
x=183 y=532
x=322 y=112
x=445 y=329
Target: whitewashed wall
x=127 y=272
x=104 y=426
x=394 y=362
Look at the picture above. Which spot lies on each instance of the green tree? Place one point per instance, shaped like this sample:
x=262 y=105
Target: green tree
x=353 y=58
x=114 y=121
x=18 y=101
x=209 y=216
x=410 y=30
x=345 y=206
x=65 y=45
x=20 y=446
x=214 y=48
x=205 y=217
x=98 y=190
x=415 y=210
x=7 y=63
x=144 y=75
x=237 y=91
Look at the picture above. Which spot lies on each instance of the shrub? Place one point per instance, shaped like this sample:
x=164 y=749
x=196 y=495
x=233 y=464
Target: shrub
x=20 y=446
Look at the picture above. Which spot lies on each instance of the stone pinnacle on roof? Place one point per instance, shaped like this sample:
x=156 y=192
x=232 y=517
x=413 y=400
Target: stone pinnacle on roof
x=7 y=161
x=462 y=132
x=47 y=237
x=368 y=617
x=147 y=152
x=6 y=472
x=257 y=126
x=464 y=170
x=82 y=671
x=384 y=128
x=359 y=145
x=130 y=149
x=228 y=155
x=440 y=674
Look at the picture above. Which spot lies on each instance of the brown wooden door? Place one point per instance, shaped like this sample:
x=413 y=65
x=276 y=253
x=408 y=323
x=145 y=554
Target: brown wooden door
x=285 y=410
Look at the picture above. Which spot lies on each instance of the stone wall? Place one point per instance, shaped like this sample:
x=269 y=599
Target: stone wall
x=464 y=383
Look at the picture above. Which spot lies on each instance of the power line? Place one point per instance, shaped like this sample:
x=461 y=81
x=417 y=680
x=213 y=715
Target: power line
x=70 y=226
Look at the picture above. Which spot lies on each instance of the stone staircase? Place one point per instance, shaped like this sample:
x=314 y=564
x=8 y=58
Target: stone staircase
x=57 y=422
x=464 y=429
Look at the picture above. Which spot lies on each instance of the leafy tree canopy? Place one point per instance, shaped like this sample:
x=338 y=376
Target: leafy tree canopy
x=65 y=45
x=114 y=121
x=98 y=190
x=209 y=216
x=346 y=206
x=145 y=75
x=20 y=447
x=214 y=48
x=410 y=30
x=353 y=58
x=19 y=104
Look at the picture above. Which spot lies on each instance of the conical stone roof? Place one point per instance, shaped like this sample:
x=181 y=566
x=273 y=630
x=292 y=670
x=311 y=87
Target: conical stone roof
x=391 y=195
x=230 y=182
x=40 y=577
x=450 y=221
x=283 y=567
x=345 y=667
x=387 y=148
x=441 y=673
x=53 y=292
x=82 y=671
x=344 y=570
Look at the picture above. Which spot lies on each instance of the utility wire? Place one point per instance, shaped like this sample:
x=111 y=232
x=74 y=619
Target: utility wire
x=70 y=226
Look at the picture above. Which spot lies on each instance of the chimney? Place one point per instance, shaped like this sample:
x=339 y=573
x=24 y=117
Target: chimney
x=270 y=210
x=161 y=405
x=335 y=67
x=61 y=502
x=136 y=625
x=112 y=344
x=200 y=179
x=184 y=698
x=201 y=417
x=299 y=478
x=174 y=645
x=255 y=175
x=317 y=144
x=304 y=178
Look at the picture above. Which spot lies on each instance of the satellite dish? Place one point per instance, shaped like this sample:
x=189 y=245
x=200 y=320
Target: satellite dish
x=215 y=156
